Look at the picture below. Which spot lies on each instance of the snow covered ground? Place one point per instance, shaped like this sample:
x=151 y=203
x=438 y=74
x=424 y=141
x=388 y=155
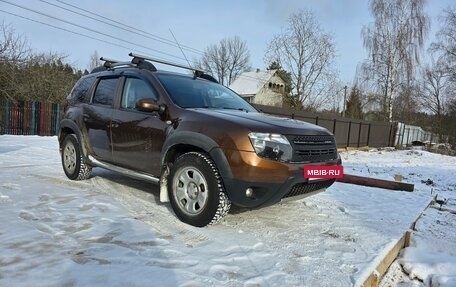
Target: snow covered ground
x=112 y=231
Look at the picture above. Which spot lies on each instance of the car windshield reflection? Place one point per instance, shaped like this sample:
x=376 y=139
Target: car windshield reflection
x=187 y=92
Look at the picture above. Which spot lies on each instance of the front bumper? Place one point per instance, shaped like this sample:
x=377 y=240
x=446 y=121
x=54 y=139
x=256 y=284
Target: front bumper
x=265 y=193
x=269 y=180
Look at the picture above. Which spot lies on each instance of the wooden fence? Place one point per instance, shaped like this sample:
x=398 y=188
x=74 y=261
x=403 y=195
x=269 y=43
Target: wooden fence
x=40 y=118
x=29 y=118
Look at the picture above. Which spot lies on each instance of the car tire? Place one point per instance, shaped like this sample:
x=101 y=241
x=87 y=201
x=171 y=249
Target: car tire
x=72 y=161
x=196 y=190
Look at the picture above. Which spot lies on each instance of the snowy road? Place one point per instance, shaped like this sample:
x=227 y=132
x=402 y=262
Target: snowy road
x=112 y=231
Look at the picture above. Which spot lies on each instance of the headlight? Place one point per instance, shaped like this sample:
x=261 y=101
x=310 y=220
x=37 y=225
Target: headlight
x=271 y=146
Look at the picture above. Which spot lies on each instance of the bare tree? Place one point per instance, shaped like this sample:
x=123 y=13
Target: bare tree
x=436 y=84
x=368 y=93
x=305 y=51
x=50 y=79
x=446 y=43
x=394 y=42
x=94 y=61
x=14 y=51
x=445 y=47
x=13 y=47
x=407 y=101
x=26 y=75
x=226 y=60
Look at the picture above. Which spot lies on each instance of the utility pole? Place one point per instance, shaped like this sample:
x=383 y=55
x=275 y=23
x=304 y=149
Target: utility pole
x=345 y=100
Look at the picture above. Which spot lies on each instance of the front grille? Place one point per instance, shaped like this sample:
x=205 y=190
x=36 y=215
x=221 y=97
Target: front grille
x=303 y=188
x=317 y=148
x=324 y=139
x=316 y=152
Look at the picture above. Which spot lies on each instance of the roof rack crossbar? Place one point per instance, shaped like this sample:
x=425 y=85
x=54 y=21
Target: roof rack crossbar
x=140 y=62
x=139 y=57
x=196 y=72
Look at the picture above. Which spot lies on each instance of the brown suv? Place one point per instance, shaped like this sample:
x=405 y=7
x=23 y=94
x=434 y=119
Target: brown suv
x=205 y=145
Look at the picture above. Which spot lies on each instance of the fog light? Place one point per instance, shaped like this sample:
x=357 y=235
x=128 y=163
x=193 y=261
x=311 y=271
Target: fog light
x=249 y=192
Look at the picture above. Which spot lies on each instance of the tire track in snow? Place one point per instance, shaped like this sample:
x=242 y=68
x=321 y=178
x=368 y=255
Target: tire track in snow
x=238 y=262
x=247 y=260
x=155 y=214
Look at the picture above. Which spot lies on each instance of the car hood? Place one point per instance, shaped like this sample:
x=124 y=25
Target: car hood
x=260 y=122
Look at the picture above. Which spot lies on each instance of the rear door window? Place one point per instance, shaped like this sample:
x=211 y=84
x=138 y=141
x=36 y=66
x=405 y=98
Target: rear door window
x=81 y=88
x=105 y=91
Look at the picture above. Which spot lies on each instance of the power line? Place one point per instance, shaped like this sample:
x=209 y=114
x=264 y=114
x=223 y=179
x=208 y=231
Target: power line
x=70 y=31
x=63 y=29
x=157 y=38
x=131 y=30
x=90 y=29
x=94 y=31
x=77 y=33
x=123 y=24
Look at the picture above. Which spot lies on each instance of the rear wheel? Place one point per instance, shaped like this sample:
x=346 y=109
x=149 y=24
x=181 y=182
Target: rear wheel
x=73 y=164
x=196 y=190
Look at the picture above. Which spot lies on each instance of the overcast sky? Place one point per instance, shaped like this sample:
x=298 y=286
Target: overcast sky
x=195 y=24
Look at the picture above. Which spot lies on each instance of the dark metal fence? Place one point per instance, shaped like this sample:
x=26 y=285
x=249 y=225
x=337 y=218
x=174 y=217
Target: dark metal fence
x=41 y=118
x=348 y=132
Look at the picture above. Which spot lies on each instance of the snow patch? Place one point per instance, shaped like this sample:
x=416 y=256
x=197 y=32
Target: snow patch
x=113 y=231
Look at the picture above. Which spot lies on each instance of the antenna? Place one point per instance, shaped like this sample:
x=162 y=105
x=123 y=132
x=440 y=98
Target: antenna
x=182 y=51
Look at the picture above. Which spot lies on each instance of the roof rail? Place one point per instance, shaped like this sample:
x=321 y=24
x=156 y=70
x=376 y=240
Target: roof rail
x=197 y=73
x=110 y=63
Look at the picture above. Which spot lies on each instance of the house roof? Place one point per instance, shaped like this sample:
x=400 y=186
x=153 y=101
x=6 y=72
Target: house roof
x=250 y=83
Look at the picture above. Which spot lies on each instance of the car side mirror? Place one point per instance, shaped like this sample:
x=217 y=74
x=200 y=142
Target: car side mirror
x=149 y=105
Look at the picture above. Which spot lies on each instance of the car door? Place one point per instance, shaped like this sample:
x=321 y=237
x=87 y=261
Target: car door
x=137 y=136
x=97 y=118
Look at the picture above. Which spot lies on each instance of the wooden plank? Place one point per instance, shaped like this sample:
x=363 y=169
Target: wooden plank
x=380 y=270
x=374 y=279
x=444 y=209
x=392 y=255
x=375 y=182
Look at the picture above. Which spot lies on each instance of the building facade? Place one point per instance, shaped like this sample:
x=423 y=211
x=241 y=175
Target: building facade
x=260 y=87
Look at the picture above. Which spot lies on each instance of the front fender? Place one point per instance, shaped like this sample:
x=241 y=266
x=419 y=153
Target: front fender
x=203 y=142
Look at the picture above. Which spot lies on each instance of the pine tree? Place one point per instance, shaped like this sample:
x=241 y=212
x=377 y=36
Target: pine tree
x=354 y=109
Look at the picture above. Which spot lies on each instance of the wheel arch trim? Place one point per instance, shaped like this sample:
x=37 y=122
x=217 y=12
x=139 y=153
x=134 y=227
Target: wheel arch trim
x=200 y=141
x=66 y=123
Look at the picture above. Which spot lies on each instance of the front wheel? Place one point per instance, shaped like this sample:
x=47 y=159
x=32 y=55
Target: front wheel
x=73 y=164
x=196 y=190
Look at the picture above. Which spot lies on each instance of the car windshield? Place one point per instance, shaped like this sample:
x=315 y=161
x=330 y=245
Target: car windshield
x=188 y=92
